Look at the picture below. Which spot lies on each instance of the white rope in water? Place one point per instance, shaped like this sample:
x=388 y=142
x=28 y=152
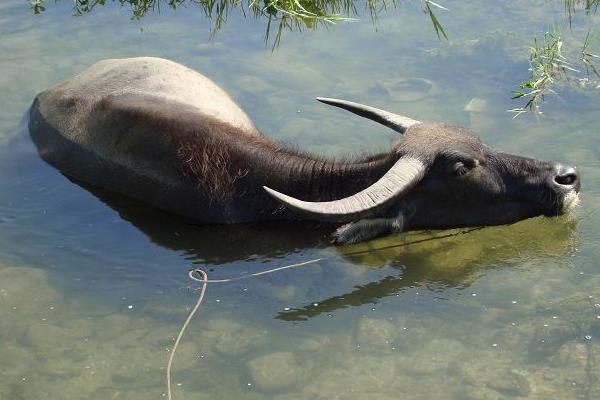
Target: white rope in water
x=205 y=281
x=237 y=278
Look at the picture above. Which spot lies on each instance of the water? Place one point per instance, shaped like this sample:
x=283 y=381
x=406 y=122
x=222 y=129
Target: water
x=93 y=289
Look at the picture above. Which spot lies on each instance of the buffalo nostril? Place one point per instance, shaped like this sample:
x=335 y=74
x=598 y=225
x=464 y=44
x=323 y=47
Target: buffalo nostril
x=568 y=179
x=566 y=176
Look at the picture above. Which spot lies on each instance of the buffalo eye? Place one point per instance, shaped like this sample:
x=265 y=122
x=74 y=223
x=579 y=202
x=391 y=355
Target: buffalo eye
x=461 y=168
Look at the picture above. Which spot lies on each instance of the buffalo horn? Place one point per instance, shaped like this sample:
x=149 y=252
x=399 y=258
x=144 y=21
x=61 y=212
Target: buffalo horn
x=401 y=177
x=394 y=121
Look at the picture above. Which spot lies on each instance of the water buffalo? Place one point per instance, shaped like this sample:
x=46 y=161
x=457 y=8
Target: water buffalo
x=159 y=132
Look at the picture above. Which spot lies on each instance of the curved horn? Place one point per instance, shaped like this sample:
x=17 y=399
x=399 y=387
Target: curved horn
x=391 y=120
x=403 y=175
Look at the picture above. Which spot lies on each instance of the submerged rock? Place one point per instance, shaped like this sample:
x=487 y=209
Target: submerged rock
x=317 y=343
x=232 y=338
x=477 y=105
x=512 y=382
x=375 y=332
x=275 y=371
x=187 y=356
x=24 y=296
x=115 y=325
x=79 y=328
x=16 y=362
x=548 y=338
x=480 y=392
x=573 y=355
x=253 y=84
x=512 y=337
x=401 y=89
x=357 y=376
x=436 y=356
x=48 y=340
x=490 y=370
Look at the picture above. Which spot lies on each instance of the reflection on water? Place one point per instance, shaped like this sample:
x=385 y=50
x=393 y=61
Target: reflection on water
x=280 y=15
x=447 y=259
x=93 y=287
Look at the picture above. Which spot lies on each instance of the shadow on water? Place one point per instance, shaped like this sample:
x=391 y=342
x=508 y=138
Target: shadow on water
x=215 y=244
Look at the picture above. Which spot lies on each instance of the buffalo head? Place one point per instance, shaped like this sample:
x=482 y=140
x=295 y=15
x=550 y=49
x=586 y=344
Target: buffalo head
x=443 y=176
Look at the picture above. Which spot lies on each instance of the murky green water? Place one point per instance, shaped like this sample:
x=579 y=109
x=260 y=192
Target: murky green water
x=93 y=289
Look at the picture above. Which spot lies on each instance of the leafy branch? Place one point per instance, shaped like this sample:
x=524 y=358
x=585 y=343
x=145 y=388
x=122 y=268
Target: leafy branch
x=548 y=66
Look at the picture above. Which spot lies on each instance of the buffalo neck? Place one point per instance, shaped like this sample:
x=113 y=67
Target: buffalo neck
x=317 y=178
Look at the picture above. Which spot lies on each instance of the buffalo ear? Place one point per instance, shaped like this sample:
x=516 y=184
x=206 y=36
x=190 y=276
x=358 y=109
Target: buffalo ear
x=398 y=180
x=393 y=121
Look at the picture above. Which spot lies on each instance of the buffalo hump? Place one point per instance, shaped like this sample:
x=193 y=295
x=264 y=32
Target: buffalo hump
x=68 y=105
x=127 y=124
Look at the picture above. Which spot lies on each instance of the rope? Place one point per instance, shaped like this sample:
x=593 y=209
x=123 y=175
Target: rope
x=237 y=278
x=183 y=328
x=205 y=281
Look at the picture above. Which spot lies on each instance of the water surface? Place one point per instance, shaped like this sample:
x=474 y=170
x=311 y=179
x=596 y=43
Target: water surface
x=93 y=288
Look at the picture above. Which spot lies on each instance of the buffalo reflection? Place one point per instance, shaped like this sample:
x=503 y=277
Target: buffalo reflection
x=451 y=258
